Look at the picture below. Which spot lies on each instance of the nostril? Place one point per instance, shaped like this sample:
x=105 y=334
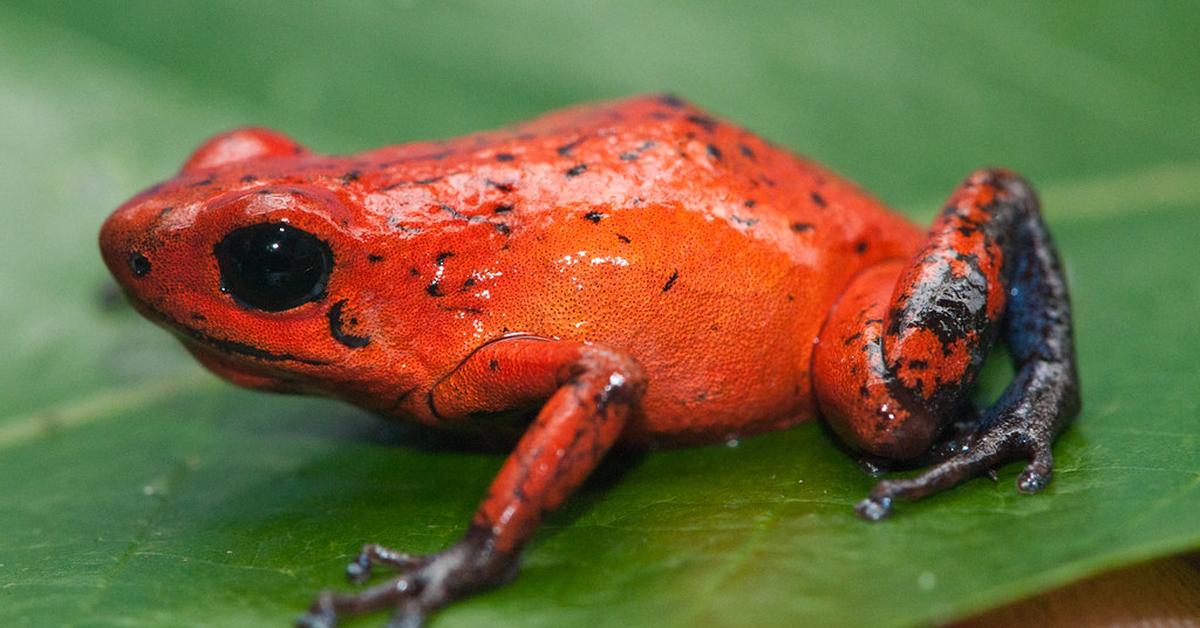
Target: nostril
x=139 y=264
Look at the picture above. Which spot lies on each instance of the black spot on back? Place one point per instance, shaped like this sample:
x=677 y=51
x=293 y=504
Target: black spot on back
x=565 y=149
x=705 y=122
x=671 y=281
x=673 y=101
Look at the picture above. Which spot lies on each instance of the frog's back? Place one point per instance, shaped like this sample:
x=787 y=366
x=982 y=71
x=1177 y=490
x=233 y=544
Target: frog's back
x=706 y=253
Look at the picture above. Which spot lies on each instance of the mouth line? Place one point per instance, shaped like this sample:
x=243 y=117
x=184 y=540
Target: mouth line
x=231 y=346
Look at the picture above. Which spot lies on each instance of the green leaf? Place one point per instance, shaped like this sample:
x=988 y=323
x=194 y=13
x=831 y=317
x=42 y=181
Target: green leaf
x=139 y=491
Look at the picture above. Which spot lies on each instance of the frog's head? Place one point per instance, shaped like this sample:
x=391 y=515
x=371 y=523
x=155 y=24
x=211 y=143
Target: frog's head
x=257 y=269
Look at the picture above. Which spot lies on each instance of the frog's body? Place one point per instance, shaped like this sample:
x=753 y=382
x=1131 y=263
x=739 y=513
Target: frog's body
x=637 y=270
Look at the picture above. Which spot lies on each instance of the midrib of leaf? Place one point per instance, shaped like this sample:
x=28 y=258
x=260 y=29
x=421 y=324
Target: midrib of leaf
x=1166 y=184
x=17 y=431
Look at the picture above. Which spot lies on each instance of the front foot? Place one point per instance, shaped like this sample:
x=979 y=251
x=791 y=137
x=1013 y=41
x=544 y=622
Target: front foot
x=425 y=583
x=1012 y=436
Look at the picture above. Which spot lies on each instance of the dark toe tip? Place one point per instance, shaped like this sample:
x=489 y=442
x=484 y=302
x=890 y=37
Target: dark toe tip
x=357 y=573
x=1032 y=481
x=874 y=508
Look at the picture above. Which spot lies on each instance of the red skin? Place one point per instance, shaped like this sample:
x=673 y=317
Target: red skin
x=637 y=270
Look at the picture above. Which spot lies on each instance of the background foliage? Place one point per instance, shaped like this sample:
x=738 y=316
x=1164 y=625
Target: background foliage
x=137 y=491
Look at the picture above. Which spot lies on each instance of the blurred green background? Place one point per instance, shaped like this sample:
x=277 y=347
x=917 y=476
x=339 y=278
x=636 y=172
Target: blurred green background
x=136 y=490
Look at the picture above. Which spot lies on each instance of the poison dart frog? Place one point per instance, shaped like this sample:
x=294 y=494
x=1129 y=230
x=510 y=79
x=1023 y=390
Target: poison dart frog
x=633 y=273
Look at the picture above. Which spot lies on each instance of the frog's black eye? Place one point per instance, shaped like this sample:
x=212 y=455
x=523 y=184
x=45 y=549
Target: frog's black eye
x=273 y=266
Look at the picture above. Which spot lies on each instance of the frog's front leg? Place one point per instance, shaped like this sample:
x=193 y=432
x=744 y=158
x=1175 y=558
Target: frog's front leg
x=902 y=347
x=588 y=392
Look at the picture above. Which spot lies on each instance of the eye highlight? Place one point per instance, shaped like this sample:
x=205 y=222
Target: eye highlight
x=273 y=266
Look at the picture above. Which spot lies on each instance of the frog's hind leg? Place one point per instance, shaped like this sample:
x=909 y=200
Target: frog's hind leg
x=897 y=358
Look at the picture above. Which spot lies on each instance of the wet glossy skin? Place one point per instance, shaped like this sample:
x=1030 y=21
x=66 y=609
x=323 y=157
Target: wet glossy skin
x=634 y=271
x=592 y=224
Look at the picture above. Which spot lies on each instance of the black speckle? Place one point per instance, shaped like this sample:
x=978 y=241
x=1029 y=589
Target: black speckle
x=197 y=316
x=635 y=153
x=139 y=264
x=459 y=215
x=503 y=187
x=818 y=199
x=624 y=239
x=860 y=247
x=374 y=257
x=576 y=170
x=470 y=281
x=502 y=228
x=748 y=222
x=203 y=182
x=427 y=180
x=671 y=281
x=746 y=151
x=593 y=216
x=749 y=202
x=352 y=175
x=493 y=365
x=505 y=157
x=671 y=100
x=565 y=149
x=468 y=310
x=414 y=272
x=339 y=334
x=660 y=115
x=791 y=297
x=707 y=123
x=767 y=180
x=442 y=257
x=248 y=178
x=164 y=211
x=434 y=290
x=801 y=227
x=714 y=152
x=502 y=209
x=918 y=365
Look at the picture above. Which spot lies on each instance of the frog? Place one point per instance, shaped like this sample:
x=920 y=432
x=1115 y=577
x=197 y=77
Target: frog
x=634 y=273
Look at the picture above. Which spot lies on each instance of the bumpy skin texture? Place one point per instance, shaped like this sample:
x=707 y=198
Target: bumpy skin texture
x=635 y=272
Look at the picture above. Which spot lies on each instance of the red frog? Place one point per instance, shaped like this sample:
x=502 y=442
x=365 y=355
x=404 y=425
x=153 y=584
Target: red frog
x=635 y=272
